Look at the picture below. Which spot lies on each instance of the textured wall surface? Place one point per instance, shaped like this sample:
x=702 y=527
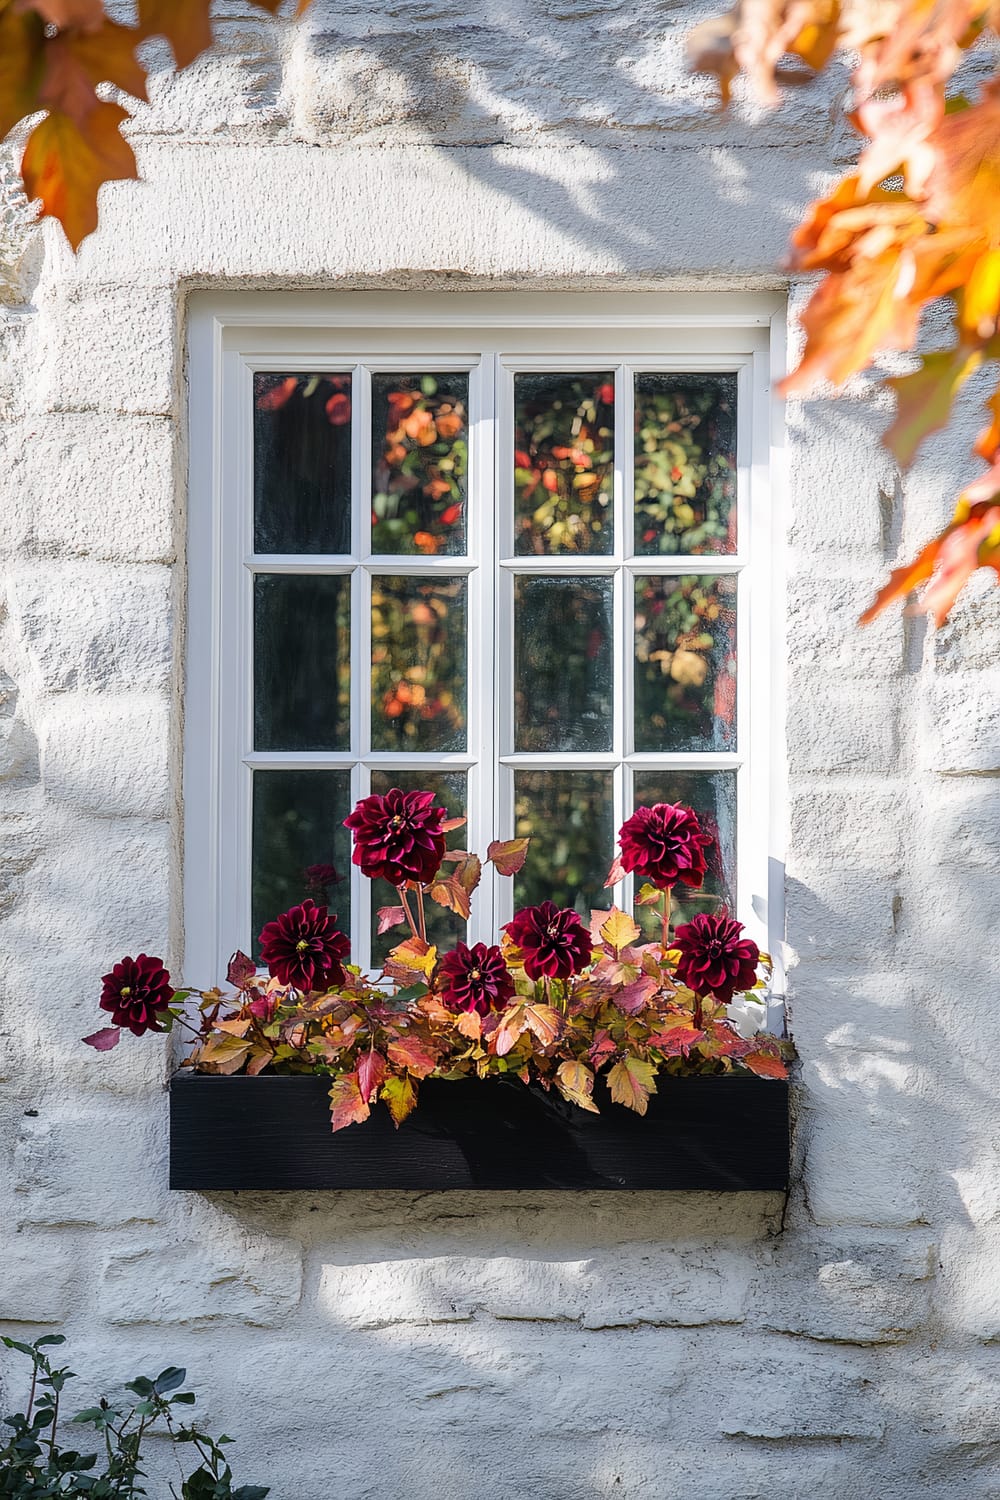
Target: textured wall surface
x=443 y=1347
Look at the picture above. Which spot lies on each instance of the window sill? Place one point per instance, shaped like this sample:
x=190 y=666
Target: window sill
x=726 y=1134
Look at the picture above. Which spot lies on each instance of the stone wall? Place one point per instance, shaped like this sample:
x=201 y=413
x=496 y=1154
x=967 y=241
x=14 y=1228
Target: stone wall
x=513 y=1345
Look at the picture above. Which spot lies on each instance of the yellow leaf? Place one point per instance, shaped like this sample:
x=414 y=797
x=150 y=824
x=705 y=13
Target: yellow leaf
x=619 y=930
x=400 y=1095
x=575 y=1082
x=631 y=1082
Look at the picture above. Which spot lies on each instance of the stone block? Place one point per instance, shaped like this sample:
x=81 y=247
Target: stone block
x=39 y=1279
x=848 y=1291
x=104 y=1166
x=256 y=1282
x=824 y=642
x=97 y=627
x=840 y=480
x=844 y=731
x=969 y=1294
x=799 y=1394
x=107 y=347
x=110 y=757
x=862 y=828
x=962 y=823
x=961 y=729
x=841 y=915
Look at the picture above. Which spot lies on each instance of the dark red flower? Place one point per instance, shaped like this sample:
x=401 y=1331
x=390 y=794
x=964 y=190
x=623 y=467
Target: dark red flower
x=714 y=959
x=475 y=978
x=303 y=947
x=135 y=992
x=553 y=942
x=664 y=844
x=398 y=836
x=320 y=877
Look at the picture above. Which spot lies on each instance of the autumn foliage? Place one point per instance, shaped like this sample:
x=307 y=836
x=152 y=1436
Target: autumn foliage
x=54 y=55
x=916 y=219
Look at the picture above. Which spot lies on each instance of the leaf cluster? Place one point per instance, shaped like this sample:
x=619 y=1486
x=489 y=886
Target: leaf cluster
x=36 y=1463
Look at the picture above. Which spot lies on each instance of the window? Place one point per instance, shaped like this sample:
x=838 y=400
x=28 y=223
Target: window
x=514 y=549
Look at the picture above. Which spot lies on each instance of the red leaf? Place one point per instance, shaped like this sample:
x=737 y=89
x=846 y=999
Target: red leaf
x=389 y=916
x=371 y=1071
x=633 y=997
x=602 y=1047
x=414 y=1054
x=676 y=1041
x=105 y=1039
x=347 y=1107
x=616 y=872
x=240 y=971
x=765 y=1064
x=508 y=855
x=451 y=823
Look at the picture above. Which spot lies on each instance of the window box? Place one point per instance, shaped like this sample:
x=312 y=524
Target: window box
x=713 y=1134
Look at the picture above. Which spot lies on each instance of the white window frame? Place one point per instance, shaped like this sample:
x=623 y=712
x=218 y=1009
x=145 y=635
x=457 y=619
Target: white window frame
x=231 y=336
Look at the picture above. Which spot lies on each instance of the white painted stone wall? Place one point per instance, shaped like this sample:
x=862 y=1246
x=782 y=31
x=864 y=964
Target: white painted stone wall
x=412 y=1345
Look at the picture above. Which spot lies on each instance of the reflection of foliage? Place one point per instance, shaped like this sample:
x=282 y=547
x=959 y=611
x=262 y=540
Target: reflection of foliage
x=302 y=463
x=443 y=927
x=420 y=455
x=563 y=697
x=563 y=463
x=418 y=663
x=297 y=825
x=712 y=795
x=685 y=676
x=568 y=817
x=685 y=463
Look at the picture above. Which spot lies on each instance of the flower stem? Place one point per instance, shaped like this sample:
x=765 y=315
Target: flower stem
x=665 y=919
x=420 y=910
x=406 y=907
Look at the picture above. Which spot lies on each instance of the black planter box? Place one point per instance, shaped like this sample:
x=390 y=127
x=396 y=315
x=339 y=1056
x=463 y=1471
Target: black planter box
x=725 y=1134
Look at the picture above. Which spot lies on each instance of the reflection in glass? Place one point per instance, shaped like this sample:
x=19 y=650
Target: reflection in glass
x=420 y=453
x=563 y=663
x=302 y=662
x=564 y=463
x=712 y=795
x=685 y=464
x=418 y=663
x=569 y=818
x=302 y=463
x=300 y=846
x=444 y=927
x=685 y=663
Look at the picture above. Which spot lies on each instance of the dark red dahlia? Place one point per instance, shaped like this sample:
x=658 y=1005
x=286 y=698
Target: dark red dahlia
x=475 y=978
x=319 y=878
x=553 y=942
x=137 y=992
x=663 y=844
x=398 y=836
x=303 y=947
x=714 y=959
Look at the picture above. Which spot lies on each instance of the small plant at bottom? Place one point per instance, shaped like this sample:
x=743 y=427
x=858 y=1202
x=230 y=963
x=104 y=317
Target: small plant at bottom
x=35 y=1466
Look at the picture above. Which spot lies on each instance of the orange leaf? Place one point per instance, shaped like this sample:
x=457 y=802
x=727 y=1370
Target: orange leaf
x=631 y=1082
x=184 y=23
x=65 y=166
x=925 y=398
x=87 y=15
x=544 y=1022
x=508 y=855
x=400 y=1095
x=510 y=1028
x=410 y=1052
x=765 y=1065
x=76 y=62
x=411 y=959
x=347 y=1107
x=22 y=40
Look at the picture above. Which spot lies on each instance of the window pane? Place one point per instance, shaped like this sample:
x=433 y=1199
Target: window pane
x=444 y=928
x=712 y=795
x=685 y=464
x=302 y=662
x=302 y=463
x=563 y=463
x=300 y=846
x=418 y=664
x=685 y=663
x=568 y=817
x=420 y=451
x=563 y=663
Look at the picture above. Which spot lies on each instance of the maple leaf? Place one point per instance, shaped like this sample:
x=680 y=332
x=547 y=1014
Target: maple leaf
x=631 y=1082
x=347 y=1105
x=634 y=996
x=676 y=1041
x=22 y=40
x=77 y=61
x=412 y=958
x=507 y=856
x=618 y=930
x=84 y=15
x=970 y=541
x=414 y=1054
x=575 y=1082
x=765 y=1064
x=65 y=167
x=400 y=1095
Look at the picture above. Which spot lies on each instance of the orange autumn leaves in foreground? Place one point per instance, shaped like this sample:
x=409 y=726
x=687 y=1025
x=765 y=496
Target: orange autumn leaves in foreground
x=917 y=219
x=53 y=56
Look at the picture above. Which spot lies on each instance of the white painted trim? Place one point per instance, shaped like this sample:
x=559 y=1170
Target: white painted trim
x=232 y=335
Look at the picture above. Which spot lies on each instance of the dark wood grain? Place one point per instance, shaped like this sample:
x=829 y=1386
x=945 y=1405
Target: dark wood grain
x=728 y=1134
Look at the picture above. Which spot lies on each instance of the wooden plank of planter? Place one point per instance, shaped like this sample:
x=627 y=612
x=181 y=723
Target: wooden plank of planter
x=270 y=1133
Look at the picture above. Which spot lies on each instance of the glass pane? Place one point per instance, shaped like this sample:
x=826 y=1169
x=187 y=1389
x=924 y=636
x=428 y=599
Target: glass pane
x=418 y=664
x=302 y=463
x=302 y=662
x=685 y=464
x=712 y=795
x=300 y=846
x=568 y=815
x=444 y=928
x=420 y=453
x=563 y=663
x=685 y=663
x=564 y=463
